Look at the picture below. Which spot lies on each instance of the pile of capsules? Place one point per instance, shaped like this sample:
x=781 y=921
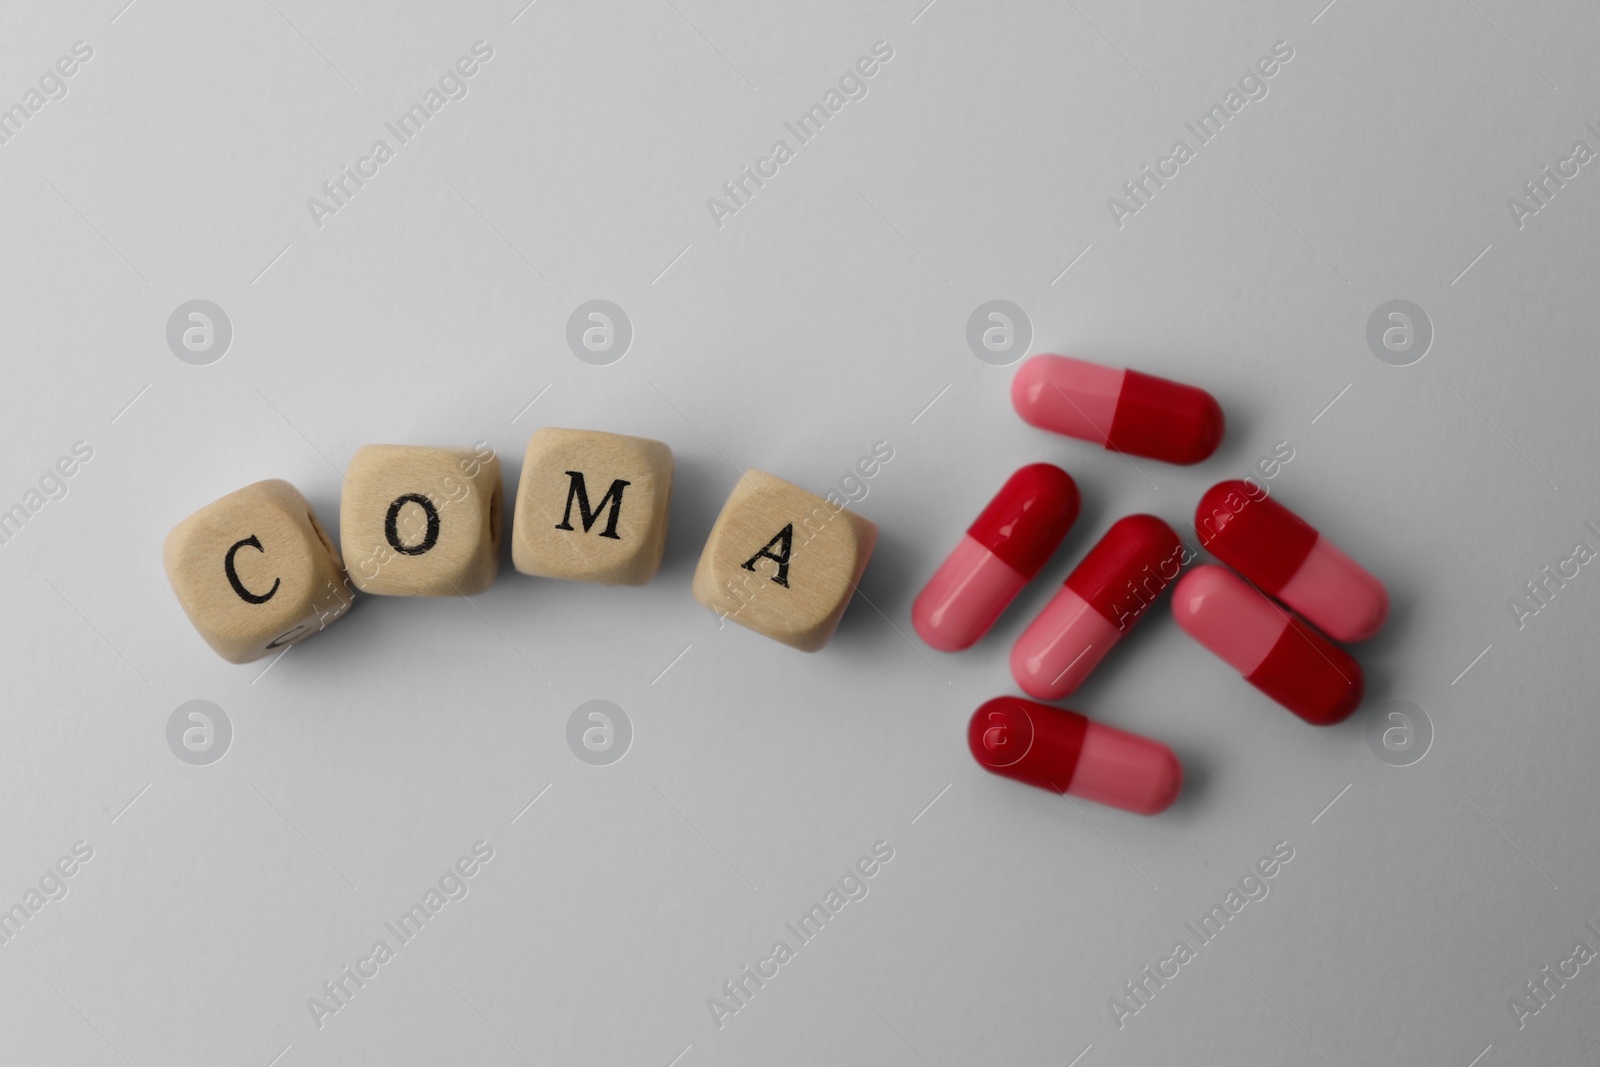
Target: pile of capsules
x=1270 y=617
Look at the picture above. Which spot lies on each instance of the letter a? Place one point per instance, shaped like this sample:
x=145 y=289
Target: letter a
x=784 y=536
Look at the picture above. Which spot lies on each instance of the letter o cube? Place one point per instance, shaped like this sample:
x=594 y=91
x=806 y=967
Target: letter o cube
x=418 y=521
x=592 y=507
x=783 y=562
x=255 y=572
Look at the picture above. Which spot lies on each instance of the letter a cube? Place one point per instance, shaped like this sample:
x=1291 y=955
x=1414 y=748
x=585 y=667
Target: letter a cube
x=255 y=572
x=783 y=561
x=592 y=507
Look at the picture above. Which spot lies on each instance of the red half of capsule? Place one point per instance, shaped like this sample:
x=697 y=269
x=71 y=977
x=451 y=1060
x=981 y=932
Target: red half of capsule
x=1278 y=653
x=1124 y=410
x=1064 y=752
x=1285 y=556
x=1101 y=600
x=1003 y=549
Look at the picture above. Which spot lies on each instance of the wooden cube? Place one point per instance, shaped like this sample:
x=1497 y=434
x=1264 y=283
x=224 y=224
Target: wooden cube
x=418 y=521
x=592 y=507
x=782 y=561
x=255 y=572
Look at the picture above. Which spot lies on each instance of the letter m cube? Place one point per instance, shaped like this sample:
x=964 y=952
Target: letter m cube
x=592 y=507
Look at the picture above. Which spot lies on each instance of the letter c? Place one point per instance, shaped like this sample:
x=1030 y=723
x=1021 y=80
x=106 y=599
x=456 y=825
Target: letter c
x=762 y=971
x=1163 y=171
x=1162 y=971
x=363 y=973
x=233 y=576
x=762 y=170
x=362 y=171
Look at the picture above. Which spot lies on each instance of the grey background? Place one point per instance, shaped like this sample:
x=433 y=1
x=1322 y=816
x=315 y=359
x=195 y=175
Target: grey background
x=828 y=314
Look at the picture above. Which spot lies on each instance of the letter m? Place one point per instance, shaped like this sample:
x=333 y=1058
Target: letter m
x=577 y=490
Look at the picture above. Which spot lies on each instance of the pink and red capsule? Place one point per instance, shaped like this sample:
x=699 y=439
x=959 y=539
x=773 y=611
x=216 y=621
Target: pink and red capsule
x=1278 y=653
x=1124 y=410
x=1097 y=605
x=1288 y=559
x=1004 y=548
x=1064 y=752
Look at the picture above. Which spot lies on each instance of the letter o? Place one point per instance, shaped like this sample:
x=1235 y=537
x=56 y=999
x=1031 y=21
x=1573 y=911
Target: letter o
x=391 y=530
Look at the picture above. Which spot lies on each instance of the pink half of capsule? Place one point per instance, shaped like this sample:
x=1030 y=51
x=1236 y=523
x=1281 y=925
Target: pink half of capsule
x=1286 y=557
x=1278 y=653
x=1124 y=410
x=1004 y=548
x=1065 y=752
x=1099 y=602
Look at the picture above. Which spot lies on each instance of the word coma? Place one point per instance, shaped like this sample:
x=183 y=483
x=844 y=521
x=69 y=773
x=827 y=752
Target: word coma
x=255 y=571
